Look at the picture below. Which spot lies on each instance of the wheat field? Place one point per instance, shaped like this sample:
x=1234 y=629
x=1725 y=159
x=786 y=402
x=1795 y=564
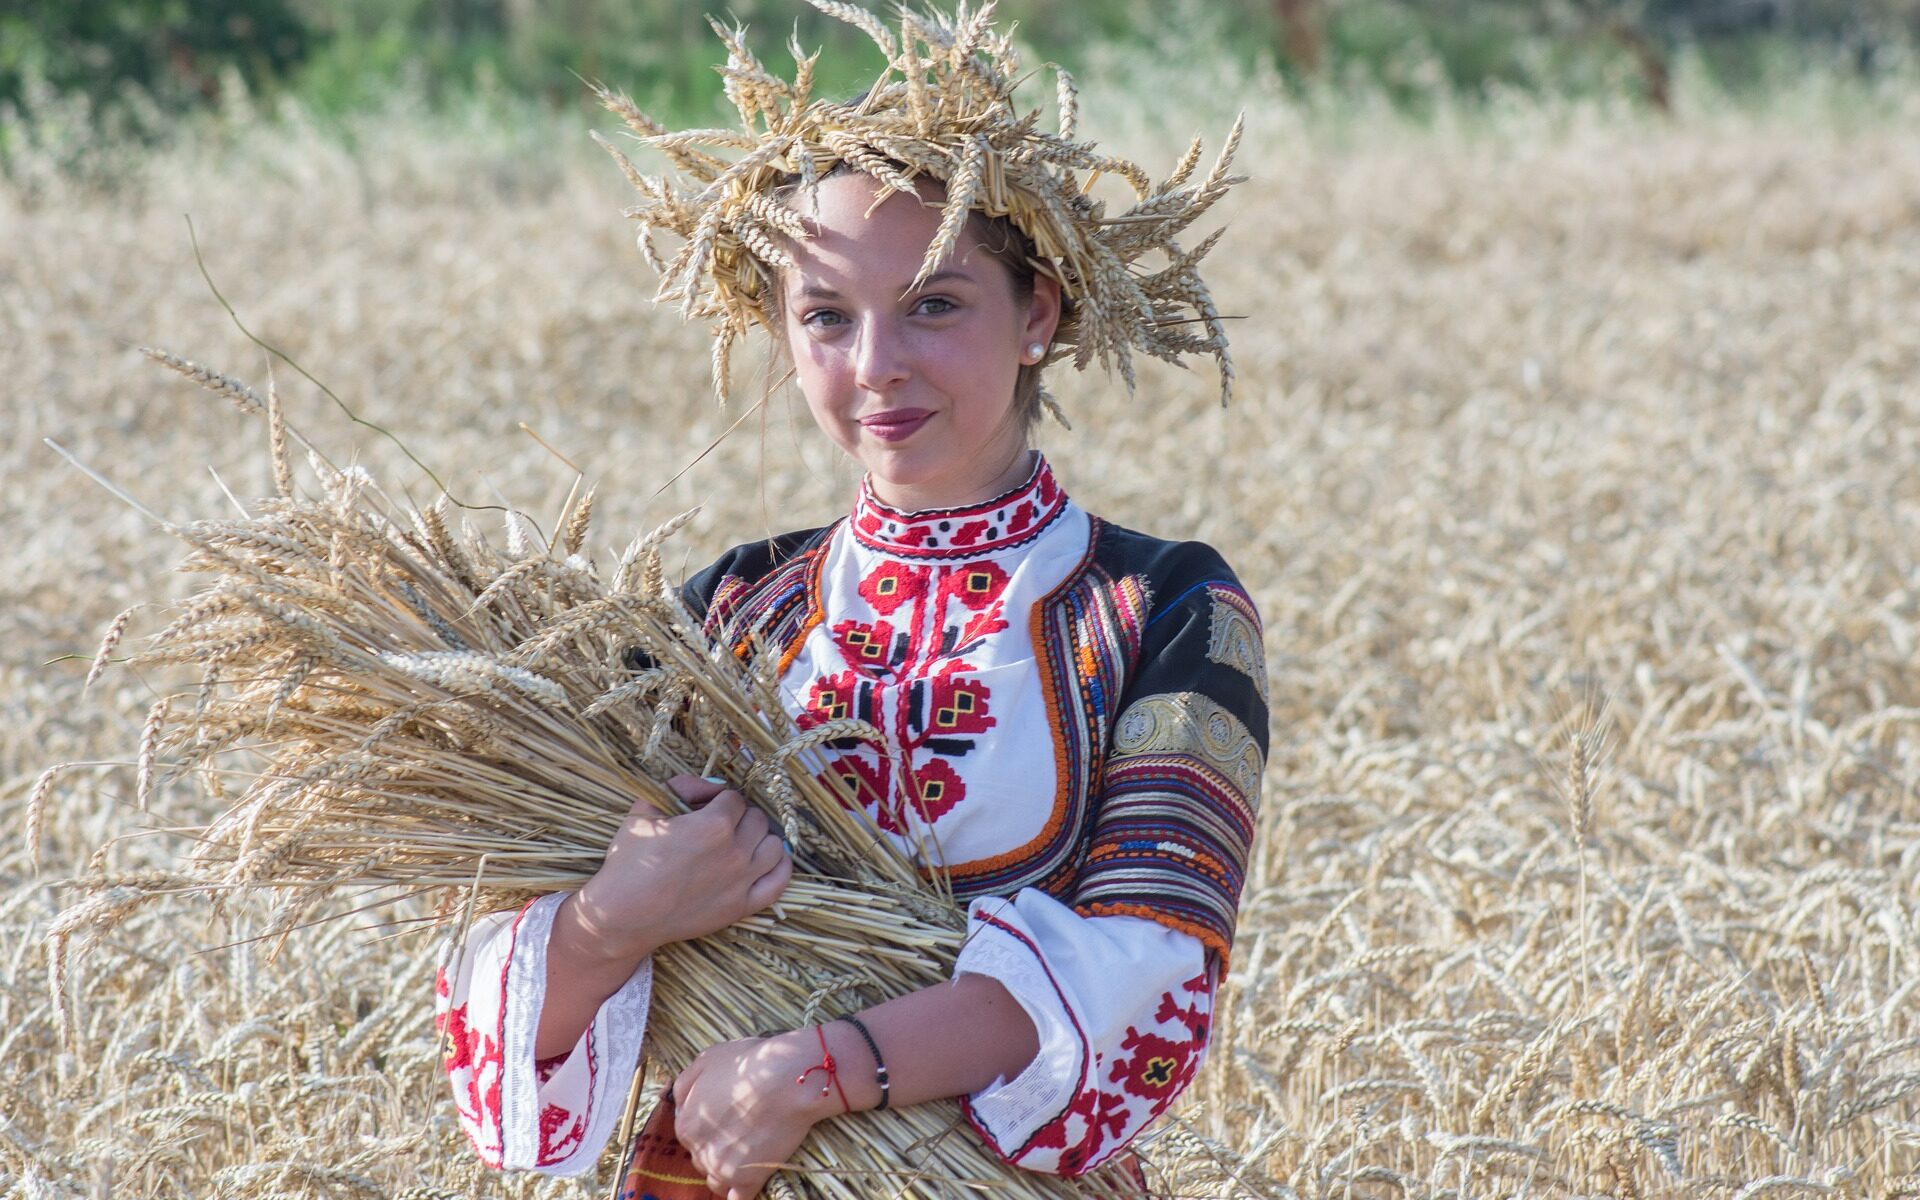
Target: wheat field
x=1574 y=464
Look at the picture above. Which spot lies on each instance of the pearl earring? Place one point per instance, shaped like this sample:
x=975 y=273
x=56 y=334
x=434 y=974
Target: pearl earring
x=1036 y=351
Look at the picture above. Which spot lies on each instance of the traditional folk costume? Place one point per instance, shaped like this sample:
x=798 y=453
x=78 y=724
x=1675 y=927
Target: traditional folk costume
x=1074 y=721
x=1073 y=716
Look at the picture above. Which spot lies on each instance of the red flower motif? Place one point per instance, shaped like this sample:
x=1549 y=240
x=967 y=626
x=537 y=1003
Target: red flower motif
x=957 y=704
x=1159 y=1068
x=892 y=585
x=934 y=789
x=830 y=698
x=866 y=782
x=976 y=586
x=474 y=1054
x=868 y=648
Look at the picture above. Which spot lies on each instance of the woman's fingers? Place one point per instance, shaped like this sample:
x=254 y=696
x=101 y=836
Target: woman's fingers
x=766 y=889
x=683 y=1083
x=752 y=825
x=766 y=854
x=695 y=790
x=725 y=808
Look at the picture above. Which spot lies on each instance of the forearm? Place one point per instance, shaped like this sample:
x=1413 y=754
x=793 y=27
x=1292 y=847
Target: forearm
x=952 y=1039
x=582 y=971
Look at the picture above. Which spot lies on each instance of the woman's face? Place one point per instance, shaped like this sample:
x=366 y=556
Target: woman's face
x=915 y=383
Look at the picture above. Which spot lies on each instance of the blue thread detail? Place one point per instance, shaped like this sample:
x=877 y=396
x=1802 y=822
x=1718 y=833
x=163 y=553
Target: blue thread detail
x=1178 y=600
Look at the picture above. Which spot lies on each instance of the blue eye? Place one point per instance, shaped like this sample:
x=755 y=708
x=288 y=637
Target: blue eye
x=822 y=318
x=935 y=305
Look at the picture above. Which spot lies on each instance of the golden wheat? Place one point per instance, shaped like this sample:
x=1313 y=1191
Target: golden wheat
x=1562 y=404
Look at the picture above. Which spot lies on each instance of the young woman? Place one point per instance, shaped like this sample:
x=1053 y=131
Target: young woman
x=1073 y=719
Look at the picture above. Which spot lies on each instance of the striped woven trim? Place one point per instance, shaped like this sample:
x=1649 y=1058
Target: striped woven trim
x=777 y=609
x=1170 y=845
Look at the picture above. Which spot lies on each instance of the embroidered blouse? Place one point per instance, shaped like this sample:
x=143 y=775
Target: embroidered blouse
x=1074 y=725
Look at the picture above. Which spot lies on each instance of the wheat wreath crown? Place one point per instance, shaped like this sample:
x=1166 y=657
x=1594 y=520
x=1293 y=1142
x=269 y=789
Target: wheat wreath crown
x=943 y=108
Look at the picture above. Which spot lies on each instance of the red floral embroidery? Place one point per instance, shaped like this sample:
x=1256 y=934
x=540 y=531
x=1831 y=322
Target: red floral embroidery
x=906 y=675
x=1159 y=1069
x=996 y=524
x=1191 y=1017
x=830 y=698
x=1158 y=1064
x=957 y=704
x=937 y=787
x=978 y=626
x=907 y=650
x=1098 y=1115
x=893 y=585
x=975 y=585
x=866 y=781
x=475 y=1063
x=561 y=1133
x=867 y=647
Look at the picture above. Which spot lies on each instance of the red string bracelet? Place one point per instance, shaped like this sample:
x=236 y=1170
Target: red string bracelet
x=830 y=1067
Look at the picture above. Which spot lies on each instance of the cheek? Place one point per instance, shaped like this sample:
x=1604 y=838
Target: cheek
x=819 y=375
x=818 y=369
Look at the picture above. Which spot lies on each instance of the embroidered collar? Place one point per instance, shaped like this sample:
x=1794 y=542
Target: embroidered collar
x=1008 y=520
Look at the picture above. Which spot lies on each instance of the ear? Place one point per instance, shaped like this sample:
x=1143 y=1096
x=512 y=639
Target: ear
x=1043 y=311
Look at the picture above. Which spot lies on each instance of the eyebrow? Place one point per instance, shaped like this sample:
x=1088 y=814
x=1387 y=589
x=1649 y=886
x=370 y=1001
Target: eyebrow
x=820 y=291
x=943 y=277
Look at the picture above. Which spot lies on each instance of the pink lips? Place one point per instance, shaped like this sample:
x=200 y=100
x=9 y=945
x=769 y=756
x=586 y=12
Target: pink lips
x=895 y=424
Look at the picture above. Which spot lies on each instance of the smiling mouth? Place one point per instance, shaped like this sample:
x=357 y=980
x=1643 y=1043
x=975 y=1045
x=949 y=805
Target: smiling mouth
x=895 y=424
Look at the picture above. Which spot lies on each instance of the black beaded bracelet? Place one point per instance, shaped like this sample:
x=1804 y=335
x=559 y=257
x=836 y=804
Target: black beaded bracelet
x=879 y=1064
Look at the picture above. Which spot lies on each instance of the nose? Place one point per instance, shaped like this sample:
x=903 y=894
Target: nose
x=880 y=359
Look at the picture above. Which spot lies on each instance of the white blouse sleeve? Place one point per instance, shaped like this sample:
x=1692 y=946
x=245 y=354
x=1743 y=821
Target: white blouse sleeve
x=1122 y=1006
x=553 y=1115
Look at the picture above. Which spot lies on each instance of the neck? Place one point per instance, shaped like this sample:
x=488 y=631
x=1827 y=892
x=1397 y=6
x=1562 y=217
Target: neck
x=915 y=498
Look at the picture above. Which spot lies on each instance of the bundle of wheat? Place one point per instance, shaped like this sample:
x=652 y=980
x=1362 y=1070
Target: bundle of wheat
x=406 y=708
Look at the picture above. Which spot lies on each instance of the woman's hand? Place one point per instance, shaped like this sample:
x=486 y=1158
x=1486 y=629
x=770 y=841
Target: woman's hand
x=665 y=879
x=742 y=1110
x=668 y=879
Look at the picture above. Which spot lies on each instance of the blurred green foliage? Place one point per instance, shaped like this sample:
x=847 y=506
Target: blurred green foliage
x=173 y=50
x=337 y=56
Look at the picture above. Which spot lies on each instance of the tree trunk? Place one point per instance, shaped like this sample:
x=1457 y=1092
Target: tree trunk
x=1302 y=39
x=1654 y=73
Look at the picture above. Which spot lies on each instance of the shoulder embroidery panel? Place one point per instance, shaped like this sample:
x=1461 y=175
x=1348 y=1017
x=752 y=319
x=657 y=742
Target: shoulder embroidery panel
x=1234 y=638
x=1189 y=723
